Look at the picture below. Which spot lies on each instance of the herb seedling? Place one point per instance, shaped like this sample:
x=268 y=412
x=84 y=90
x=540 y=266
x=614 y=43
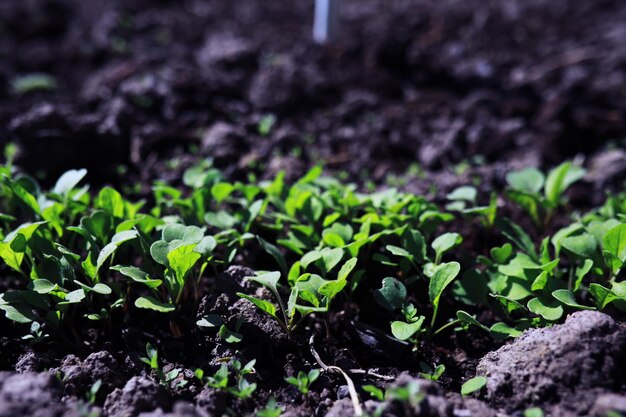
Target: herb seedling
x=304 y=380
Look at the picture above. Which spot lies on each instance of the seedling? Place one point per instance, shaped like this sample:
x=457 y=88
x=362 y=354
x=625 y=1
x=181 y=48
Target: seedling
x=152 y=360
x=272 y=409
x=304 y=380
x=430 y=373
x=240 y=388
x=463 y=199
x=309 y=293
x=526 y=188
x=93 y=392
x=473 y=385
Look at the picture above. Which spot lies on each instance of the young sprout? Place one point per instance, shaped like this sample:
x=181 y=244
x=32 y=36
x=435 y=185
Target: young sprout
x=304 y=380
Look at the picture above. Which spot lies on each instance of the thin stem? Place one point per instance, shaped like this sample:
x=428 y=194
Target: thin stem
x=432 y=321
x=445 y=326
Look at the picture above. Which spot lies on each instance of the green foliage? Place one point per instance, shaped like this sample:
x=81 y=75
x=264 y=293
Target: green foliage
x=473 y=385
x=99 y=255
x=231 y=378
x=526 y=186
x=33 y=82
x=304 y=380
x=271 y=409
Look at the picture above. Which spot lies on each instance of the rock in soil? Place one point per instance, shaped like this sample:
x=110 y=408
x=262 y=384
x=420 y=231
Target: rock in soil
x=30 y=395
x=561 y=369
x=138 y=395
x=79 y=376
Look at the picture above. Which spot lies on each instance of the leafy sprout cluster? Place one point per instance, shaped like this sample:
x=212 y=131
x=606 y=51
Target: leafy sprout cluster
x=83 y=255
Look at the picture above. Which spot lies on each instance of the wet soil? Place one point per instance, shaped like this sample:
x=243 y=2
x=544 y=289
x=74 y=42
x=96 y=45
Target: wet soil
x=421 y=94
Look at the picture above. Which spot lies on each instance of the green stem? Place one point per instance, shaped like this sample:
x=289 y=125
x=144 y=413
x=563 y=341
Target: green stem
x=432 y=321
x=445 y=326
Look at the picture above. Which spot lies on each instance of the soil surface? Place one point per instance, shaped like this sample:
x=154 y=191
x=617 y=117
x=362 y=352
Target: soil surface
x=424 y=95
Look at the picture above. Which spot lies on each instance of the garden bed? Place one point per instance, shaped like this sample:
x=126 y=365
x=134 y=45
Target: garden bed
x=382 y=179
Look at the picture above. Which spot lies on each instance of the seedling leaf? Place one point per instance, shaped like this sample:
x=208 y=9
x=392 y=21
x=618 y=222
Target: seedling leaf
x=472 y=385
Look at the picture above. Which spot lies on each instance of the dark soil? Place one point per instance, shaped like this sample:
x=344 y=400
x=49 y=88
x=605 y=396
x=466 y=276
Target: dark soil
x=421 y=94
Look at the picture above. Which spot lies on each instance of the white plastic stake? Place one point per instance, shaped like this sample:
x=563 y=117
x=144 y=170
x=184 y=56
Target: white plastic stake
x=326 y=23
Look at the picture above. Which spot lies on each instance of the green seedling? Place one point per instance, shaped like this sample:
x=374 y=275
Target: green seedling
x=221 y=380
x=271 y=409
x=430 y=373
x=34 y=82
x=473 y=385
x=304 y=380
x=152 y=360
x=310 y=293
x=92 y=394
x=463 y=199
x=526 y=188
x=533 y=412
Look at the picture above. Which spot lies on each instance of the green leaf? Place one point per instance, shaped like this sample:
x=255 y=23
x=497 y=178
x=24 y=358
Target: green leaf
x=346 y=268
x=395 y=250
x=110 y=248
x=262 y=305
x=333 y=239
x=275 y=253
x=331 y=288
x=229 y=336
x=472 y=385
x=583 y=245
x=309 y=286
x=18 y=313
x=34 y=82
x=444 y=243
x=391 y=295
x=581 y=272
x=463 y=193
x=151 y=303
x=331 y=258
x=97 y=288
x=374 y=391
x=159 y=251
x=529 y=180
x=471 y=320
x=23 y=194
x=181 y=260
x=501 y=254
x=221 y=191
x=73 y=297
x=567 y=297
x=294 y=272
x=269 y=280
x=535 y=412
x=603 y=295
x=559 y=179
x=443 y=276
x=404 y=331
x=137 y=275
x=68 y=181
x=500 y=331
x=550 y=310
x=111 y=201
x=206 y=246
x=43 y=286
x=518 y=236
x=615 y=242
x=309 y=258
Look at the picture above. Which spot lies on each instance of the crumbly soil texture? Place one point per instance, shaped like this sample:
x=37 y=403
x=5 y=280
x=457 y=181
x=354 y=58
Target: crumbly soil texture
x=425 y=95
